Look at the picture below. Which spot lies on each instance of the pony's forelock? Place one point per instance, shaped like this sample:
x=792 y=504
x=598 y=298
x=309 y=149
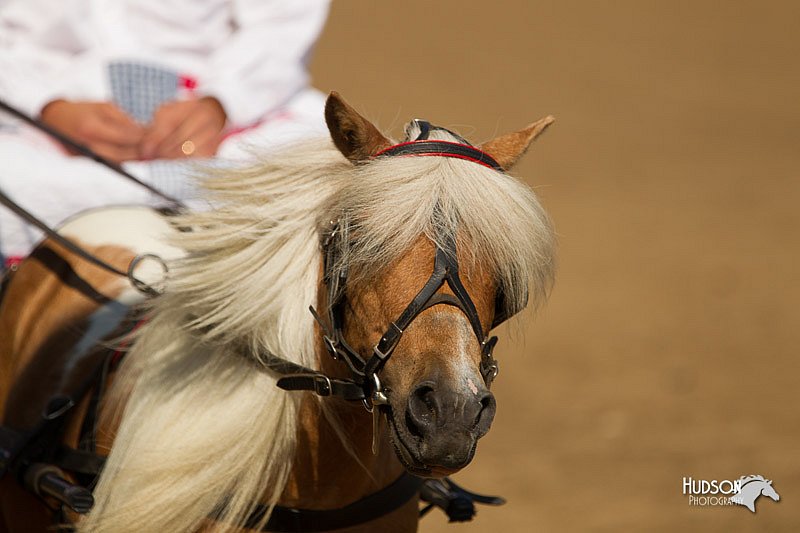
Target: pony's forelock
x=497 y=221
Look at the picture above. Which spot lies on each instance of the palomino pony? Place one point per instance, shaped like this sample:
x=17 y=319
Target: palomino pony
x=411 y=252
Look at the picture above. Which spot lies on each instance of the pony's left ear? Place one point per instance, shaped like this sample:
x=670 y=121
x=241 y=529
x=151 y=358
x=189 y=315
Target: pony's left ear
x=353 y=135
x=507 y=149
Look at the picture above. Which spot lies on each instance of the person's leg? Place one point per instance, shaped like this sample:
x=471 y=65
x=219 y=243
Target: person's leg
x=38 y=176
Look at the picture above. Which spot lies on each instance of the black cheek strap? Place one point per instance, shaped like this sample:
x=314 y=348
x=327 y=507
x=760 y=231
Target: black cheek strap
x=445 y=270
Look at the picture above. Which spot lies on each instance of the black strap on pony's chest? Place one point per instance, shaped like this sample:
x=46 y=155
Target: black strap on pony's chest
x=371 y=507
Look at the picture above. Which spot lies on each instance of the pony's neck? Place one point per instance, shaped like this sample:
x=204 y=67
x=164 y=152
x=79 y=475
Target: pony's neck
x=325 y=474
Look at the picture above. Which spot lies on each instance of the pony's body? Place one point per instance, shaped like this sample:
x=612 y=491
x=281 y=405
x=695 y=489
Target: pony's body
x=58 y=307
x=194 y=422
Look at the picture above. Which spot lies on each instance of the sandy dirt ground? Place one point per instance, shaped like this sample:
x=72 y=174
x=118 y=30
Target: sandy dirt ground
x=669 y=347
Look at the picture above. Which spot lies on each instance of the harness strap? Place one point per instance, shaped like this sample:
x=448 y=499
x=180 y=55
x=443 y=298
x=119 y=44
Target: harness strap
x=442 y=149
x=445 y=270
x=369 y=508
x=82 y=462
x=299 y=377
x=322 y=385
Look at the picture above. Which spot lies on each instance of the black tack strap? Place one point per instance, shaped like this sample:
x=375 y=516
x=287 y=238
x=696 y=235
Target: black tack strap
x=298 y=377
x=322 y=385
x=372 y=507
x=442 y=149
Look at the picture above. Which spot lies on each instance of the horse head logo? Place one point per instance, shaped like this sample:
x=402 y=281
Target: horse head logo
x=751 y=487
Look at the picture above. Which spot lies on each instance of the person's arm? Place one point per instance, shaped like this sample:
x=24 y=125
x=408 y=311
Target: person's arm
x=35 y=52
x=189 y=128
x=263 y=64
x=101 y=126
x=43 y=57
x=258 y=69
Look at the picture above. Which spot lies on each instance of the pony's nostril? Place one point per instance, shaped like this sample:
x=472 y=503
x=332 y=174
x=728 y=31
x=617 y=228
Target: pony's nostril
x=486 y=414
x=422 y=410
x=412 y=426
x=487 y=402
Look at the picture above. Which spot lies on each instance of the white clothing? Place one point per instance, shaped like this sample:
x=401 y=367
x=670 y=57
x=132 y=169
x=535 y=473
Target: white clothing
x=249 y=54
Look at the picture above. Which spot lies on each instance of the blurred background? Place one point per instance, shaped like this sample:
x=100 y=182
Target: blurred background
x=669 y=346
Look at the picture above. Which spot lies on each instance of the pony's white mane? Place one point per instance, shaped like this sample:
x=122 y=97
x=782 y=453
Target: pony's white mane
x=204 y=426
x=204 y=429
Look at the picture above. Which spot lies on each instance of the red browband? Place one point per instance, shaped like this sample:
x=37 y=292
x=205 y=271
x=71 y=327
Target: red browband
x=442 y=149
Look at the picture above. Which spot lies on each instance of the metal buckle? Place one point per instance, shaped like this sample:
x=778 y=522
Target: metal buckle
x=379 y=354
x=494 y=369
x=334 y=229
x=377 y=397
x=489 y=370
x=322 y=385
x=331 y=345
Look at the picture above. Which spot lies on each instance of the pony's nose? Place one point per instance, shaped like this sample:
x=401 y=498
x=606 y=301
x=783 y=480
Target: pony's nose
x=430 y=410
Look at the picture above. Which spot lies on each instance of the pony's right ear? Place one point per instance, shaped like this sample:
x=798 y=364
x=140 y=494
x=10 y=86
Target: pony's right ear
x=353 y=135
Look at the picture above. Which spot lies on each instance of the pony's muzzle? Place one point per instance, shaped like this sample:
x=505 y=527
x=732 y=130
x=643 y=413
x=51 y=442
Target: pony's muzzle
x=448 y=423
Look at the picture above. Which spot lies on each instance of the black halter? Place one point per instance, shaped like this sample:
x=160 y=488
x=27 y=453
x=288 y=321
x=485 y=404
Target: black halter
x=365 y=384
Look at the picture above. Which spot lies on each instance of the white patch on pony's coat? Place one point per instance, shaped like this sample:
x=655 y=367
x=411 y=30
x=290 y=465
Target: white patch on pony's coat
x=463 y=363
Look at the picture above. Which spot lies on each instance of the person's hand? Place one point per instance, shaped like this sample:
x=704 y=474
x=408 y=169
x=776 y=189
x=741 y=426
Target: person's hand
x=189 y=128
x=101 y=126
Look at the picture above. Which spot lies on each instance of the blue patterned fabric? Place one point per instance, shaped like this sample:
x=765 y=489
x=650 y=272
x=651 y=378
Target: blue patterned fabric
x=139 y=89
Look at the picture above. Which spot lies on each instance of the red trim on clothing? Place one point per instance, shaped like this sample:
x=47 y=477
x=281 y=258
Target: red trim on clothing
x=280 y=115
x=13 y=261
x=187 y=82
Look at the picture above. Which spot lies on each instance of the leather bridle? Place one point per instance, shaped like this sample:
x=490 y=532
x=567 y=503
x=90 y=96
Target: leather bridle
x=365 y=383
